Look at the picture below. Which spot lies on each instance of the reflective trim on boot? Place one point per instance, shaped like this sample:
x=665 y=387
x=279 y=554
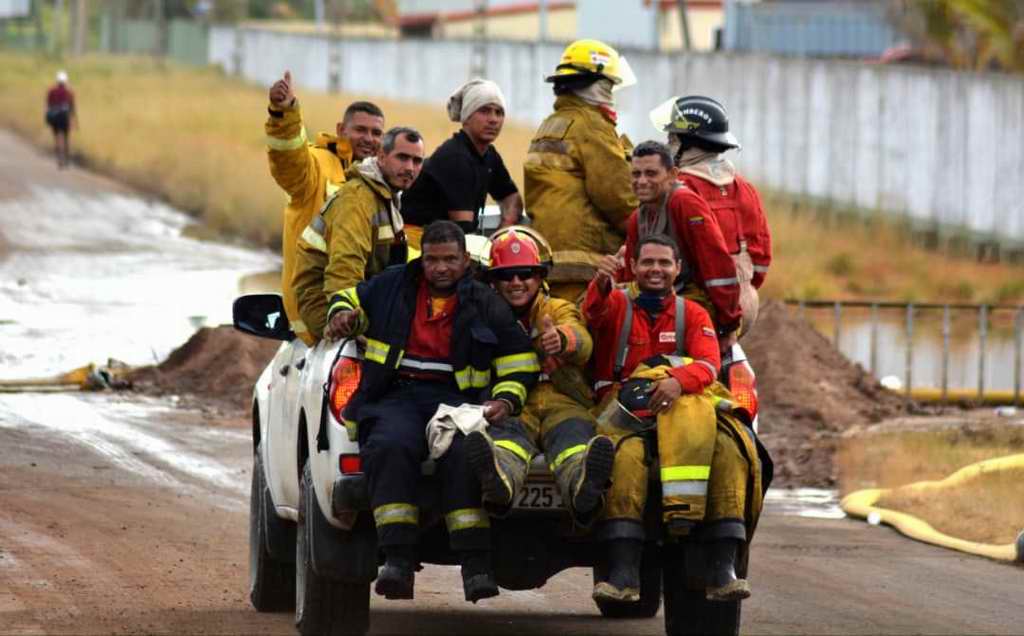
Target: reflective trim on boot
x=497 y=487
x=595 y=471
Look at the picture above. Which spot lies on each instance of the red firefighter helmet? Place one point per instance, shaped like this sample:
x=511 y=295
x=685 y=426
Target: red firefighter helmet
x=515 y=250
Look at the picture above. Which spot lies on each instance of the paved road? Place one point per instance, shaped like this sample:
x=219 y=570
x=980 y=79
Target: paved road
x=127 y=515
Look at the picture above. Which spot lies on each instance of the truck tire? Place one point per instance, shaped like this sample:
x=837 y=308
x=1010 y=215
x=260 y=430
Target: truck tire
x=688 y=612
x=271 y=580
x=323 y=607
x=650 y=589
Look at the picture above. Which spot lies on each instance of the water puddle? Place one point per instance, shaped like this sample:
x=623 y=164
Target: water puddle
x=107 y=276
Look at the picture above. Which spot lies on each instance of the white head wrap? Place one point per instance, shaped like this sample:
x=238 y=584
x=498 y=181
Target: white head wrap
x=471 y=97
x=62 y=77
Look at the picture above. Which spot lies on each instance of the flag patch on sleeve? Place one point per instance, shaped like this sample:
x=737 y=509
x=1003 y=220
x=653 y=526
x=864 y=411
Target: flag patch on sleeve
x=708 y=331
x=696 y=220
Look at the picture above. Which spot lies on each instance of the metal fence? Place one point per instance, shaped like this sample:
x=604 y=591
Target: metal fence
x=913 y=317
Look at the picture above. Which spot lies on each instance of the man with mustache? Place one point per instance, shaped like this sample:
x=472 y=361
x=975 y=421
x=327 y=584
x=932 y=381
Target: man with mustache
x=460 y=174
x=359 y=231
x=661 y=350
x=670 y=208
x=311 y=172
x=436 y=337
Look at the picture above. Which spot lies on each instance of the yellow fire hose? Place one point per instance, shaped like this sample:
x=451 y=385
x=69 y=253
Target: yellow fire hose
x=861 y=504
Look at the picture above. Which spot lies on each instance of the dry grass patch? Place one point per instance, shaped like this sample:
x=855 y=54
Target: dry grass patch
x=195 y=138
x=988 y=509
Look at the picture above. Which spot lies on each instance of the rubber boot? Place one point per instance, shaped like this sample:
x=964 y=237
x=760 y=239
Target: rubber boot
x=396 y=578
x=623 y=584
x=500 y=471
x=585 y=478
x=478 y=575
x=722 y=582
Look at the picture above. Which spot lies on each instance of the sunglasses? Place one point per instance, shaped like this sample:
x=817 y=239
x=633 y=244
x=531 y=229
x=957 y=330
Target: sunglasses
x=522 y=273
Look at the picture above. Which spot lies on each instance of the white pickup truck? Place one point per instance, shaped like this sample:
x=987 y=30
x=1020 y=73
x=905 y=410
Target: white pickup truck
x=312 y=543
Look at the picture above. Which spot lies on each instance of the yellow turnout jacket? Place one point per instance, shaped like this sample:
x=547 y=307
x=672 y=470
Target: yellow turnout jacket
x=309 y=174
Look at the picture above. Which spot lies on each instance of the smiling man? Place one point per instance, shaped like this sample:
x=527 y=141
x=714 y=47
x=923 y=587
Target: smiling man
x=661 y=350
x=670 y=208
x=310 y=173
x=556 y=414
x=463 y=170
x=433 y=336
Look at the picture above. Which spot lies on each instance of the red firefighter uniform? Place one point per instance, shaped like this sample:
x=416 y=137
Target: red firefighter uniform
x=705 y=466
x=740 y=215
x=708 y=268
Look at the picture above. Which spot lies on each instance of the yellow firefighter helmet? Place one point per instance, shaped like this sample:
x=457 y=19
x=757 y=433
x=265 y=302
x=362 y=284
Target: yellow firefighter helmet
x=593 y=57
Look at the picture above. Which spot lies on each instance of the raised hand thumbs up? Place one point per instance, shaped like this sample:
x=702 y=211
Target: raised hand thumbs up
x=281 y=94
x=550 y=339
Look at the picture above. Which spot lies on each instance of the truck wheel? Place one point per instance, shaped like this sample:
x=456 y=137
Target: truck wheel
x=323 y=606
x=650 y=589
x=271 y=581
x=688 y=612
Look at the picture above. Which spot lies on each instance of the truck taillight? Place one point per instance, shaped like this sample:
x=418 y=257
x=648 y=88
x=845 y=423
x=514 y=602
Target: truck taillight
x=350 y=464
x=344 y=382
x=743 y=386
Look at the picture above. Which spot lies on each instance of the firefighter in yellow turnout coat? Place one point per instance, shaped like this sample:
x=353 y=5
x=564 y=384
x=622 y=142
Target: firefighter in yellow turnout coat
x=577 y=173
x=556 y=413
x=310 y=173
x=359 y=231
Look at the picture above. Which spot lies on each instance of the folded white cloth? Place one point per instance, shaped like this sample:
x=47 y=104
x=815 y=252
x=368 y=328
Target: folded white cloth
x=447 y=420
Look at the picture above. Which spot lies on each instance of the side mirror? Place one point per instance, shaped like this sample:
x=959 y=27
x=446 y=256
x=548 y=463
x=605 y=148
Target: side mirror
x=262 y=315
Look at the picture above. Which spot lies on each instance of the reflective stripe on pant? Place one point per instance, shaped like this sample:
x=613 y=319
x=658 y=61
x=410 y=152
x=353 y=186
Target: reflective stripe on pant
x=686 y=444
x=393 y=447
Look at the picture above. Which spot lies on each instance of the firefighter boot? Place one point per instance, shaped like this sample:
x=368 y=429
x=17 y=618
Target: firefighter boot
x=396 y=578
x=623 y=584
x=584 y=478
x=722 y=582
x=478 y=575
x=501 y=472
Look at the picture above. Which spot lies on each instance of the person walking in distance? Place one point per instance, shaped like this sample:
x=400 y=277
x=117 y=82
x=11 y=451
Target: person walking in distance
x=60 y=115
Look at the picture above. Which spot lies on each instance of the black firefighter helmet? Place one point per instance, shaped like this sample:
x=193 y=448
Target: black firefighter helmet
x=697 y=120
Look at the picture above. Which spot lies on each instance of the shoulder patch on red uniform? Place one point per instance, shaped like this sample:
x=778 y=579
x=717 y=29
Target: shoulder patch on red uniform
x=696 y=220
x=708 y=331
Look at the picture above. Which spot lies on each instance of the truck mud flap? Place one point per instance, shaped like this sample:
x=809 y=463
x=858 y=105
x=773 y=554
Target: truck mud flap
x=347 y=556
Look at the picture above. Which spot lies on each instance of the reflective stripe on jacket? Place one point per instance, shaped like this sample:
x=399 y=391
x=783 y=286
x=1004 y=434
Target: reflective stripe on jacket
x=489 y=348
x=606 y=316
x=309 y=174
x=355 y=236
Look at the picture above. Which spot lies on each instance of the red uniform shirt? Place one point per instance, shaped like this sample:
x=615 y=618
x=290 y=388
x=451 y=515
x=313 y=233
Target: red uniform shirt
x=740 y=215
x=650 y=337
x=428 y=351
x=703 y=250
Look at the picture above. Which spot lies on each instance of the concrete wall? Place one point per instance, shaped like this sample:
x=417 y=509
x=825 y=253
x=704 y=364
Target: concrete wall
x=940 y=147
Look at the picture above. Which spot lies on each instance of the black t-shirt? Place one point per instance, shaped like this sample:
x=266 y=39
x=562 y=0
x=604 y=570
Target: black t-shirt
x=456 y=177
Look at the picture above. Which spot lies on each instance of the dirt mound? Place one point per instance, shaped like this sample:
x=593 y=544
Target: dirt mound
x=218 y=365
x=809 y=394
